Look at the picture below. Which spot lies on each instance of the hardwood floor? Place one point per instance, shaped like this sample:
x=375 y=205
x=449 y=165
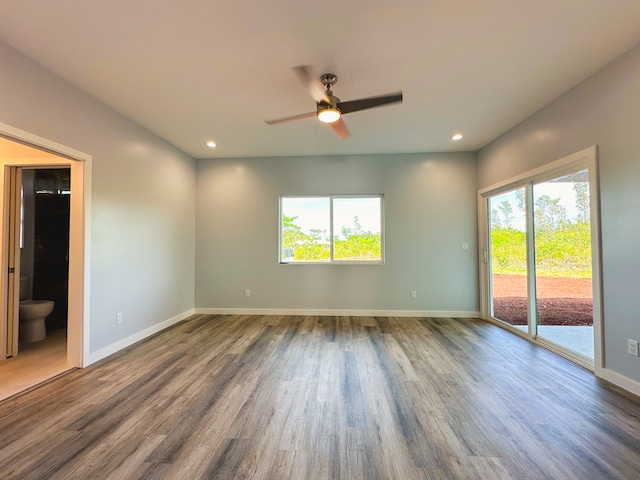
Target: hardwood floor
x=35 y=363
x=324 y=398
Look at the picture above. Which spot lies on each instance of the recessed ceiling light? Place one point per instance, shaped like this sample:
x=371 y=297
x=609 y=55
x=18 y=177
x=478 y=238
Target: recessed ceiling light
x=456 y=137
x=211 y=144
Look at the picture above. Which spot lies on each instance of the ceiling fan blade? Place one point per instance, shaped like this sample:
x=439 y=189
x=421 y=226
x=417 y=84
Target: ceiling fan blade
x=288 y=119
x=311 y=82
x=340 y=128
x=371 y=102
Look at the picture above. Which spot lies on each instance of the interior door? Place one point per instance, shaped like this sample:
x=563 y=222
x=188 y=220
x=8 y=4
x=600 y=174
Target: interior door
x=14 y=206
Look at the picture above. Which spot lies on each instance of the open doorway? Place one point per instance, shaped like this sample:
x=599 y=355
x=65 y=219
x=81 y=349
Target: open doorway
x=44 y=246
x=44 y=194
x=38 y=214
x=43 y=241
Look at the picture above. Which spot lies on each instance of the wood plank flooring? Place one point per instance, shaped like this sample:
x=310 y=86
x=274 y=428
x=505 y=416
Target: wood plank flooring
x=35 y=363
x=277 y=397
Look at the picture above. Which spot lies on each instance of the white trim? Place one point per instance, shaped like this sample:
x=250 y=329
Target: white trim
x=532 y=281
x=544 y=171
x=80 y=232
x=326 y=312
x=136 y=337
x=483 y=256
x=619 y=380
x=13 y=133
x=86 y=311
x=596 y=262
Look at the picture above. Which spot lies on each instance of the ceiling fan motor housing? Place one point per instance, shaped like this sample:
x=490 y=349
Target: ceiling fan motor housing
x=333 y=101
x=329 y=80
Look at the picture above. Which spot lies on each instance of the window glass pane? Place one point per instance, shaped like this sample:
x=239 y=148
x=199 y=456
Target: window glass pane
x=508 y=248
x=563 y=271
x=357 y=229
x=305 y=225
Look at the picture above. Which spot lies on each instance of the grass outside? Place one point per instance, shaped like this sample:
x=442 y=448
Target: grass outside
x=561 y=252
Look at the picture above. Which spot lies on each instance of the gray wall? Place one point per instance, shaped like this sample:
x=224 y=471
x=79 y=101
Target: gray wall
x=604 y=110
x=430 y=207
x=143 y=220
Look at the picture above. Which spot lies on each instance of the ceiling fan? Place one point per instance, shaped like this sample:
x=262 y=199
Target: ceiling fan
x=329 y=108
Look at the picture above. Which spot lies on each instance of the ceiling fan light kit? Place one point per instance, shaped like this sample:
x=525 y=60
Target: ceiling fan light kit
x=329 y=108
x=328 y=113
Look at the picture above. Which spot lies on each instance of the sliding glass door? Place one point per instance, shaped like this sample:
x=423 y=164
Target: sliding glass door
x=562 y=239
x=538 y=261
x=508 y=253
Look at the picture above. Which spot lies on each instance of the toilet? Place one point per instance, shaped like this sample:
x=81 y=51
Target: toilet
x=32 y=315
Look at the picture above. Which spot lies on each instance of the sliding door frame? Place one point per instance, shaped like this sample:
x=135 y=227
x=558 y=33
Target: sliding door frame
x=584 y=159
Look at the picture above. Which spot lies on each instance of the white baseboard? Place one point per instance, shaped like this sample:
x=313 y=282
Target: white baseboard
x=324 y=312
x=619 y=380
x=136 y=337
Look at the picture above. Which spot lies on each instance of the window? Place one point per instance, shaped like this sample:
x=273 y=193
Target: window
x=331 y=229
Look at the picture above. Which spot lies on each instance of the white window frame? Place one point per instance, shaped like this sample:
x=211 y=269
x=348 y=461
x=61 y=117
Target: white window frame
x=331 y=260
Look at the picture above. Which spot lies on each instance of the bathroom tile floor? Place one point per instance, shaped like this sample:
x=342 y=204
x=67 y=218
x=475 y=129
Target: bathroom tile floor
x=36 y=363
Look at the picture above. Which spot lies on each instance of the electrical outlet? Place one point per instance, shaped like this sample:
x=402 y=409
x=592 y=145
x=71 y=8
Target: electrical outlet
x=247 y=293
x=412 y=294
x=632 y=347
x=118 y=318
x=464 y=246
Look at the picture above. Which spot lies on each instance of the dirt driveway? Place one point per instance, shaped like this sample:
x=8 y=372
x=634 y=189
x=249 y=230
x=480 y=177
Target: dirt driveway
x=561 y=301
x=547 y=287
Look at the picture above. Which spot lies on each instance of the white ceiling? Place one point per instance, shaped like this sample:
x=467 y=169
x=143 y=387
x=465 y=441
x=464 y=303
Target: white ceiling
x=194 y=70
